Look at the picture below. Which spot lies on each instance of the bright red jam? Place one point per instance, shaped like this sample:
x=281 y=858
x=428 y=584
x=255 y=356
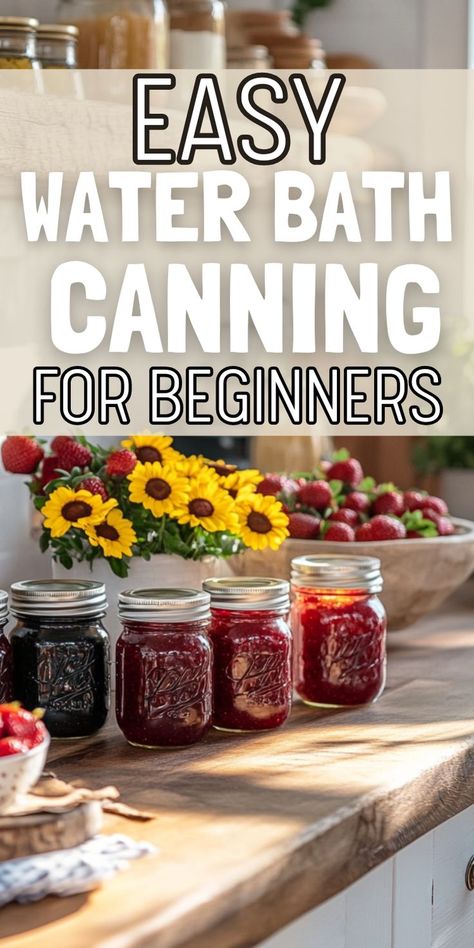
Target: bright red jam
x=339 y=647
x=164 y=682
x=252 y=669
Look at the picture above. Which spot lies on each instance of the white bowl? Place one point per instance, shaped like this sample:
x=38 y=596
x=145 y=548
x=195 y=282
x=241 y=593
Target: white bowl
x=20 y=772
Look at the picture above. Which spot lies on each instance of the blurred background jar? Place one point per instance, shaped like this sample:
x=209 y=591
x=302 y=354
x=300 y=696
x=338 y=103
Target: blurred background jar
x=119 y=34
x=56 y=45
x=18 y=43
x=197 y=34
x=248 y=57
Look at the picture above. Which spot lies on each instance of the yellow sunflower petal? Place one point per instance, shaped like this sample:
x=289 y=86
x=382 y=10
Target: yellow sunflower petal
x=209 y=506
x=160 y=488
x=262 y=522
x=115 y=535
x=151 y=448
x=67 y=508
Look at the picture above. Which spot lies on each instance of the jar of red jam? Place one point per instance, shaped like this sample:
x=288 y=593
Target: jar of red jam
x=164 y=667
x=252 y=653
x=6 y=664
x=61 y=653
x=339 y=630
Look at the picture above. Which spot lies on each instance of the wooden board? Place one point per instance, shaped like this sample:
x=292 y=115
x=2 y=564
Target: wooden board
x=45 y=832
x=255 y=830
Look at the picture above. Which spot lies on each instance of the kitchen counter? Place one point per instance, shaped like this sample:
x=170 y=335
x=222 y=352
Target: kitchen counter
x=253 y=831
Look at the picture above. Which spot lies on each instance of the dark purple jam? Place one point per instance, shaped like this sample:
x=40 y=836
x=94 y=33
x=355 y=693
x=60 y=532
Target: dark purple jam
x=6 y=669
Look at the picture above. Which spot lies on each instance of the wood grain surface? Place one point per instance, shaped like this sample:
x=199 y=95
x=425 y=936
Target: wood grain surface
x=253 y=831
x=45 y=832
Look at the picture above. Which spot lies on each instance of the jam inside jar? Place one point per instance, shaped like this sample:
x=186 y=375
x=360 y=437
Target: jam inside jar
x=61 y=654
x=6 y=662
x=339 y=628
x=164 y=667
x=252 y=653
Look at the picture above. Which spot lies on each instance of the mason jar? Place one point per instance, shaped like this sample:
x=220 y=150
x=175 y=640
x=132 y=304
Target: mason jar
x=197 y=34
x=6 y=663
x=18 y=42
x=56 y=45
x=119 y=34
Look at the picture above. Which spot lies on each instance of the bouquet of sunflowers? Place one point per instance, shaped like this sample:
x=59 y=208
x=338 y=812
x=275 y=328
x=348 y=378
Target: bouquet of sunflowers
x=142 y=498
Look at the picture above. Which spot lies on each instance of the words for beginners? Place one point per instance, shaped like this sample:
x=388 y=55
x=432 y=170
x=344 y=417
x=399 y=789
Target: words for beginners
x=193 y=206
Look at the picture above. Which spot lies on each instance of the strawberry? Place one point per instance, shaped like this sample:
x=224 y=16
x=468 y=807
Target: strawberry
x=345 y=515
x=11 y=745
x=39 y=735
x=414 y=535
x=444 y=525
x=277 y=484
x=434 y=503
x=357 y=501
x=340 y=532
x=381 y=527
x=413 y=499
x=49 y=471
x=20 y=724
x=348 y=470
x=121 y=463
x=60 y=441
x=316 y=494
x=95 y=486
x=389 y=502
x=303 y=526
x=72 y=454
x=21 y=455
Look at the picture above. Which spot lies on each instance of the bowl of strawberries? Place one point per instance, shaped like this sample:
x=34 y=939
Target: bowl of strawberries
x=424 y=552
x=24 y=743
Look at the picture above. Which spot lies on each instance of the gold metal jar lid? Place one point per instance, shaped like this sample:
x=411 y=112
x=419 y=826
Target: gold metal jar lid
x=57 y=31
x=18 y=24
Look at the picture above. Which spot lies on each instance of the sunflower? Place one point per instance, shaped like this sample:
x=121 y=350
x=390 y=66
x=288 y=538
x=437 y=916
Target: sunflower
x=66 y=508
x=262 y=522
x=158 y=487
x=207 y=505
x=194 y=466
x=115 y=534
x=220 y=467
x=152 y=448
x=240 y=483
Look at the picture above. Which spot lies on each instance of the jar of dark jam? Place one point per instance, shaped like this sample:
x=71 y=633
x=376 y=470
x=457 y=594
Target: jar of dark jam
x=61 y=653
x=252 y=653
x=339 y=630
x=164 y=667
x=6 y=663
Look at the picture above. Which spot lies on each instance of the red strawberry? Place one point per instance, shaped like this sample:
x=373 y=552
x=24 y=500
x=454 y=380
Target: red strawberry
x=357 y=501
x=413 y=499
x=277 y=484
x=381 y=527
x=348 y=471
x=21 y=455
x=121 y=463
x=49 y=470
x=303 y=526
x=390 y=502
x=434 y=503
x=72 y=454
x=39 y=735
x=95 y=486
x=60 y=441
x=345 y=515
x=20 y=724
x=444 y=525
x=340 y=532
x=315 y=494
x=414 y=535
x=11 y=745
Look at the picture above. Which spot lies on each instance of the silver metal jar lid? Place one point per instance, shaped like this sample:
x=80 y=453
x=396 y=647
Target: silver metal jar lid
x=164 y=605
x=3 y=606
x=58 y=598
x=337 y=572
x=248 y=592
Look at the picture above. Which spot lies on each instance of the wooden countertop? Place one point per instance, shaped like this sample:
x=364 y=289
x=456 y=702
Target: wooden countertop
x=253 y=831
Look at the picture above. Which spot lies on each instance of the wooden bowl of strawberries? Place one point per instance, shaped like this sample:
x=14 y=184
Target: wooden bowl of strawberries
x=425 y=553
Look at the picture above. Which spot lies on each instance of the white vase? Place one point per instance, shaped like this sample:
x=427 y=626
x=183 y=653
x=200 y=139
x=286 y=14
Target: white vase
x=162 y=570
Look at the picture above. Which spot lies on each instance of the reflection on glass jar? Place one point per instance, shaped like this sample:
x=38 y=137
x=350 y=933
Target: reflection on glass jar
x=56 y=46
x=119 y=34
x=18 y=42
x=252 y=653
x=339 y=630
x=61 y=653
x=6 y=667
x=164 y=667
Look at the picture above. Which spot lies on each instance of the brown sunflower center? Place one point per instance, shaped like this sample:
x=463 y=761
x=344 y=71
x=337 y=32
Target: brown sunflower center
x=221 y=468
x=147 y=453
x=232 y=491
x=259 y=522
x=106 y=531
x=75 y=510
x=200 y=507
x=158 y=488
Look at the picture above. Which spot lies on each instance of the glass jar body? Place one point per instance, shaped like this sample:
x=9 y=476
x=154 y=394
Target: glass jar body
x=164 y=682
x=339 y=647
x=6 y=667
x=197 y=34
x=62 y=665
x=118 y=34
x=17 y=49
x=57 y=52
x=252 y=669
